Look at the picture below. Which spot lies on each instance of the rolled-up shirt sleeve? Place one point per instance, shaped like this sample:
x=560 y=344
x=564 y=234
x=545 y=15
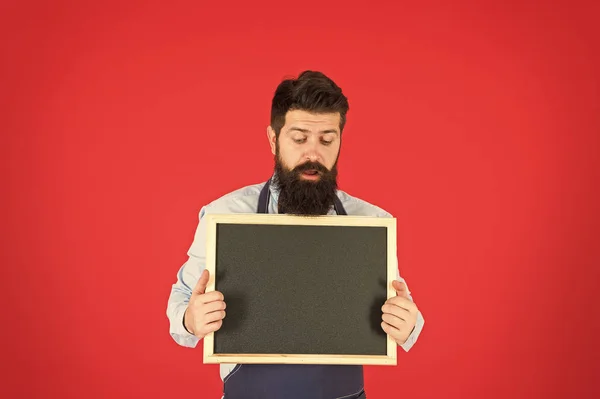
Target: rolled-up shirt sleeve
x=414 y=335
x=181 y=291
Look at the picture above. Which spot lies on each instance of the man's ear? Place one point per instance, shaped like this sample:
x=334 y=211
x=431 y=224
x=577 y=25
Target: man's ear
x=272 y=139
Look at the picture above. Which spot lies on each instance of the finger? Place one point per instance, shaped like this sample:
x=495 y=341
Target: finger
x=402 y=302
x=213 y=306
x=214 y=316
x=397 y=311
x=401 y=288
x=211 y=297
x=391 y=331
x=201 y=284
x=393 y=320
x=211 y=327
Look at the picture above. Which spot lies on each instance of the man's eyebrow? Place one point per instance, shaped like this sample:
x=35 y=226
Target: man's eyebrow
x=299 y=129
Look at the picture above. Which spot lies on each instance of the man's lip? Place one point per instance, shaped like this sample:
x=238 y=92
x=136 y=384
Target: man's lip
x=309 y=176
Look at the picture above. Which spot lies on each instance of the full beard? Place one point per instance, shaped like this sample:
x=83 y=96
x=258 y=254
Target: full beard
x=298 y=196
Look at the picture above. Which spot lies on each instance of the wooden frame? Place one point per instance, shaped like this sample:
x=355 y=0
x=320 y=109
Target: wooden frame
x=213 y=220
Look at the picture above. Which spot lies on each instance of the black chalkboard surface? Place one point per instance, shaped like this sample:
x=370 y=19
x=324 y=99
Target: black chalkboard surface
x=301 y=289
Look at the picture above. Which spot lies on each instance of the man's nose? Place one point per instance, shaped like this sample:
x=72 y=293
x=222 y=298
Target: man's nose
x=312 y=156
x=312 y=153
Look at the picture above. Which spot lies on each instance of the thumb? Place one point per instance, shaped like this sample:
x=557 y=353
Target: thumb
x=401 y=289
x=200 y=287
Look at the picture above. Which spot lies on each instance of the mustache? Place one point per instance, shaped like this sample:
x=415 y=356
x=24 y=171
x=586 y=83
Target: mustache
x=310 y=166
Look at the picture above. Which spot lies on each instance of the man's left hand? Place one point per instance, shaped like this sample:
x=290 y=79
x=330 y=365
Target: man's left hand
x=399 y=314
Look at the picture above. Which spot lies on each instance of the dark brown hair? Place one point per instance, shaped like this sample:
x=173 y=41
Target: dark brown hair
x=312 y=91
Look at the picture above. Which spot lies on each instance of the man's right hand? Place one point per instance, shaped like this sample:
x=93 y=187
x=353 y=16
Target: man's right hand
x=205 y=312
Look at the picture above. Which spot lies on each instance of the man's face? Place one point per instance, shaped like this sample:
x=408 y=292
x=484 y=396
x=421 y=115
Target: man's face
x=307 y=137
x=306 y=155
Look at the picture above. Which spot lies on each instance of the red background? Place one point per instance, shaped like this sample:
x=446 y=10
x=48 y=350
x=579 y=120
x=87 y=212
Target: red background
x=476 y=125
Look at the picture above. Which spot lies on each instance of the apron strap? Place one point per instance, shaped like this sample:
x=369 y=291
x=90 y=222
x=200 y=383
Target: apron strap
x=263 y=201
x=339 y=208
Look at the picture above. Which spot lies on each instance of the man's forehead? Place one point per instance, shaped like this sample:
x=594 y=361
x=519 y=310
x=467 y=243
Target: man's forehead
x=312 y=118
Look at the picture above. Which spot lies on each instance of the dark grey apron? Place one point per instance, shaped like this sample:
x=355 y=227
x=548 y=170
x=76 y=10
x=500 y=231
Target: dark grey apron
x=279 y=381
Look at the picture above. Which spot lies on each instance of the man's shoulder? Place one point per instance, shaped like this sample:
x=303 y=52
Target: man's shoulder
x=241 y=200
x=359 y=207
x=251 y=190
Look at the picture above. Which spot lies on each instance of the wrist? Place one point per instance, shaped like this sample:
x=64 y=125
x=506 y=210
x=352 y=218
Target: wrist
x=185 y=326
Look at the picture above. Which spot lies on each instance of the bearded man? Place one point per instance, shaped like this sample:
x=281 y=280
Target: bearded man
x=308 y=115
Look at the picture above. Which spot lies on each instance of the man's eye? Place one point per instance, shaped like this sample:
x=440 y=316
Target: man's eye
x=325 y=142
x=299 y=141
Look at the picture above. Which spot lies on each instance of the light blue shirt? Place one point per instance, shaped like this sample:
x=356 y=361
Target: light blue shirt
x=245 y=200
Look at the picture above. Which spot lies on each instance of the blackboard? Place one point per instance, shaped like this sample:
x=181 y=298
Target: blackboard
x=304 y=290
